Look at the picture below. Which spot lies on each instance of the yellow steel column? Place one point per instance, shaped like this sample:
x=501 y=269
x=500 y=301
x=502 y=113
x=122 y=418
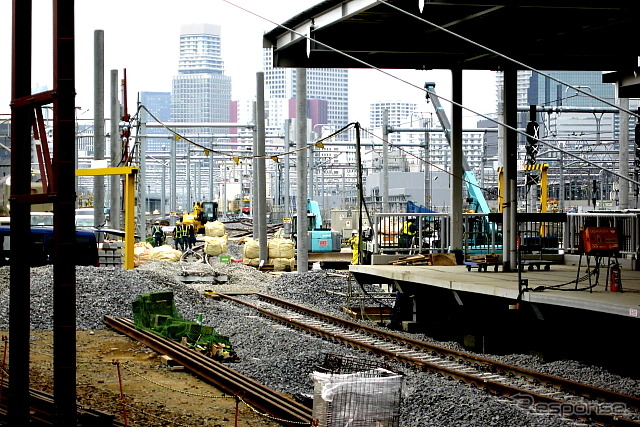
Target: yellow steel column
x=543 y=188
x=129 y=204
x=129 y=224
x=500 y=188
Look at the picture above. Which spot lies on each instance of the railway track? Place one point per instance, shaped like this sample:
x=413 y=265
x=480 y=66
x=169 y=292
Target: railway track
x=43 y=411
x=282 y=408
x=531 y=389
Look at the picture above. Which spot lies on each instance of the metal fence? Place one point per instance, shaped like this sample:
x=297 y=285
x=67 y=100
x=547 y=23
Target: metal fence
x=483 y=235
x=626 y=224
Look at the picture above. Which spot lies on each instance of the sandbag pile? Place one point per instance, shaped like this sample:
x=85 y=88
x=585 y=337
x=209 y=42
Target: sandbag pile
x=282 y=254
x=251 y=253
x=165 y=253
x=141 y=253
x=215 y=238
x=215 y=246
x=215 y=229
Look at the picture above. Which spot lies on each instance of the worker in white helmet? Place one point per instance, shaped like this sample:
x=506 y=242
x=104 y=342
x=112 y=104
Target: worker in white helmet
x=355 y=246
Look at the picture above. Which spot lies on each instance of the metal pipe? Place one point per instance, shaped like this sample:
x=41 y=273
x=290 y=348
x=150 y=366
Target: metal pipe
x=173 y=172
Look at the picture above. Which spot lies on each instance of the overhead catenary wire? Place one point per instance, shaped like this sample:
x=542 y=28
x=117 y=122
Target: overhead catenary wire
x=504 y=125
x=317 y=144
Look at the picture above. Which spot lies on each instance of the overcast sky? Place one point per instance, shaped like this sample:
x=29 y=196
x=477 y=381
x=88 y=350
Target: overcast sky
x=143 y=37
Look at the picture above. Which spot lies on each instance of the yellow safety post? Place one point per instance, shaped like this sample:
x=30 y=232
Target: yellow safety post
x=500 y=188
x=543 y=168
x=129 y=173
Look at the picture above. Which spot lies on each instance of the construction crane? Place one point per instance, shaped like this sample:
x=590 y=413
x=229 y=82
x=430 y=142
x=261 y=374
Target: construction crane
x=473 y=187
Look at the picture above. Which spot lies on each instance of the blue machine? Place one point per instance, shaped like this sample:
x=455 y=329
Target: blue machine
x=319 y=239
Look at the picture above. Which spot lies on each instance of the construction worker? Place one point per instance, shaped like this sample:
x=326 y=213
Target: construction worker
x=409 y=228
x=158 y=234
x=178 y=236
x=354 y=240
x=190 y=233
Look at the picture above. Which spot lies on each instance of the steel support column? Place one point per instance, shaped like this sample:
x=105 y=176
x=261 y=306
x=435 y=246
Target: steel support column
x=21 y=119
x=510 y=152
x=457 y=171
x=64 y=272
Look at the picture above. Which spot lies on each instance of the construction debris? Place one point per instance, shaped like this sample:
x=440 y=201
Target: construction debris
x=412 y=260
x=429 y=259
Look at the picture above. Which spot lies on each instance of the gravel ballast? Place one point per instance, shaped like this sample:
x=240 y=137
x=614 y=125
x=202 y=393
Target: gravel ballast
x=282 y=358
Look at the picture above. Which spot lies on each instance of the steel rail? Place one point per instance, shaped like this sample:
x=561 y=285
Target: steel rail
x=488 y=383
x=43 y=411
x=285 y=410
x=574 y=387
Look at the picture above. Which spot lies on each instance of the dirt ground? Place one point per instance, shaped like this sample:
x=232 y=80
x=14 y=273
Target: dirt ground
x=155 y=394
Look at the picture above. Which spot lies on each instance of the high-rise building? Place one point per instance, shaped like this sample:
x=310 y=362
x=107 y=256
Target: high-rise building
x=398 y=113
x=536 y=89
x=158 y=104
x=323 y=84
x=201 y=92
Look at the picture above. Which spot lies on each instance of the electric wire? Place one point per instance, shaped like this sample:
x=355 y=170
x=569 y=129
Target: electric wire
x=318 y=143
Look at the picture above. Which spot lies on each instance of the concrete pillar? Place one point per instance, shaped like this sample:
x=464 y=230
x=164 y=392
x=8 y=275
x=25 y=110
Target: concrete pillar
x=98 y=124
x=301 y=169
x=261 y=194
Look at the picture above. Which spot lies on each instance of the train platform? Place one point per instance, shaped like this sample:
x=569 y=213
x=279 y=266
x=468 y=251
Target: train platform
x=505 y=285
x=486 y=312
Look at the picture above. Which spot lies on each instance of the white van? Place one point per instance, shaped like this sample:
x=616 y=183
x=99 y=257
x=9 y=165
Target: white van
x=84 y=217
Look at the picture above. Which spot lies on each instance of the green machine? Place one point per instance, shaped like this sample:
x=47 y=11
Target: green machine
x=156 y=312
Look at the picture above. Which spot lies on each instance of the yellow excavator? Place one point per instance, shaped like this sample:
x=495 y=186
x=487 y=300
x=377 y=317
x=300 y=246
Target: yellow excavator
x=203 y=212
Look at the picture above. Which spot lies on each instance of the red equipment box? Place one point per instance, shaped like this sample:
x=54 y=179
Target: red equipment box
x=599 y=239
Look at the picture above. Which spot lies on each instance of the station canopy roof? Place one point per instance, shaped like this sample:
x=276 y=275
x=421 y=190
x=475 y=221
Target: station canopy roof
x=542 y=34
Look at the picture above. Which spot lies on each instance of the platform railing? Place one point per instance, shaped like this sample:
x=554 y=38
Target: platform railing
x=481 y=236
x=432 y=233
x=627 y=225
